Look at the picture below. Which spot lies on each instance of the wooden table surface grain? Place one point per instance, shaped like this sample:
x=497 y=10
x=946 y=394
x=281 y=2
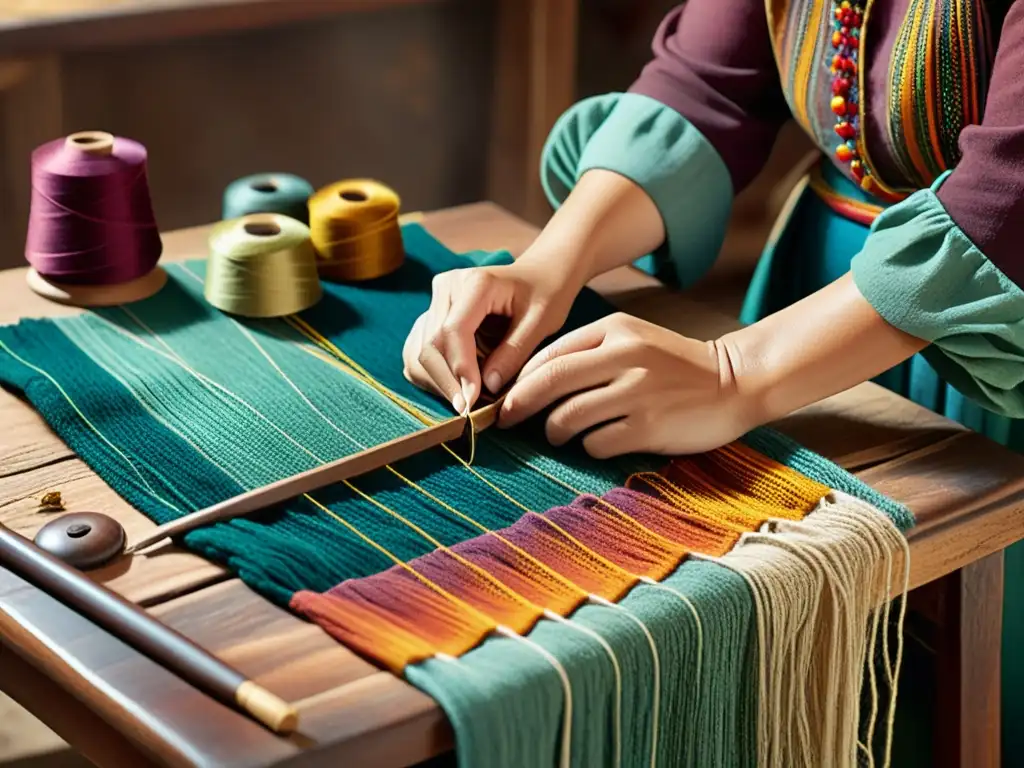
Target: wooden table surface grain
x=108 y=701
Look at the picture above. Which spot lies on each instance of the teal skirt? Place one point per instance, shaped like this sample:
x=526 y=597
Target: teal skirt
x=814 y=248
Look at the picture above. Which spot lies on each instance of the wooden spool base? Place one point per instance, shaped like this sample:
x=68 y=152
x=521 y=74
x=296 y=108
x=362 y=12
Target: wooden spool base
x=82 y=539
x=98 y=295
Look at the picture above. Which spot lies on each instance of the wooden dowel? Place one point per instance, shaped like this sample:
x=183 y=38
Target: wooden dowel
x=320 y=477
x=138 y=629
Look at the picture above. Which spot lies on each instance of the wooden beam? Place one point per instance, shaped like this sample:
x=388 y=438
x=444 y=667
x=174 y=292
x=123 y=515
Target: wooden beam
x=41 y=27
x=66 y=716
x=535 y=82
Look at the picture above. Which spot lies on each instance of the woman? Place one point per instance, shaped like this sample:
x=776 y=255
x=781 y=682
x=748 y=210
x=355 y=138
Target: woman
x=900 y=263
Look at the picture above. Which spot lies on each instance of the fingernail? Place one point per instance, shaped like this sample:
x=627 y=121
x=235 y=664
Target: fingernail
x=493 y=381
x=459 y=403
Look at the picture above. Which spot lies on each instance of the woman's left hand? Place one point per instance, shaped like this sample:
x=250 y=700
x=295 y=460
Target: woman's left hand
x=644 y=388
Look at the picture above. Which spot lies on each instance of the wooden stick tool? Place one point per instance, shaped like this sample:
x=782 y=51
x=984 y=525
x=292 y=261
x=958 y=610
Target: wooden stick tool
x=319 y=477
x=138 y=629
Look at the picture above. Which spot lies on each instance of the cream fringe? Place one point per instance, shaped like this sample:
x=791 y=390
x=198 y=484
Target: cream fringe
x=822 y=589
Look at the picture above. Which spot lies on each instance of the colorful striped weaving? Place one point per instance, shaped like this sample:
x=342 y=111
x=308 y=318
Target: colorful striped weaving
x=719 y=610
x=938 y=73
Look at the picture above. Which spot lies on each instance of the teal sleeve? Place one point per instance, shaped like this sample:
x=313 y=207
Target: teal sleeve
x=924 y=276
x=659 y=150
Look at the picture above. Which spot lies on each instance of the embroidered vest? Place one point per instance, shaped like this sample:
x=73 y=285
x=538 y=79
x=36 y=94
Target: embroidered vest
x=938 y=72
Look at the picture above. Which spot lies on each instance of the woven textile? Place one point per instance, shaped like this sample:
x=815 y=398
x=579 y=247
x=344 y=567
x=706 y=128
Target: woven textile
x=639 y=611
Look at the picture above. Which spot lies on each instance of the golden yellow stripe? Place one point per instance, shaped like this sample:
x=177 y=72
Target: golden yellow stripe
x=805 y=62
x=968 y=62
x=931 y=88
x=907 y=102
x=778 y=17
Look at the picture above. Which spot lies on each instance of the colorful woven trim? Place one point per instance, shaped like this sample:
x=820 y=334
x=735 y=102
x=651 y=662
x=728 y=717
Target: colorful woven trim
x=861 y=211
x=938 y=75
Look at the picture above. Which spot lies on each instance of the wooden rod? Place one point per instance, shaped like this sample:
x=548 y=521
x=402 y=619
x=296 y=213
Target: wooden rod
x=319 y=477
x=138 y=629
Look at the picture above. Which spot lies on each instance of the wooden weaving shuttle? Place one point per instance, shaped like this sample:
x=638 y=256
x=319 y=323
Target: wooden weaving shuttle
x=320 y=477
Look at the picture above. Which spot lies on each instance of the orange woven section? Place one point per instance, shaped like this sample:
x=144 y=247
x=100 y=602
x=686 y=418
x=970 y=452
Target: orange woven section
x=449 y=600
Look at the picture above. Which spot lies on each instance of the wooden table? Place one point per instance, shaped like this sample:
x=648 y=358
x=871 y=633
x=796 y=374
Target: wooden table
x=119 y=708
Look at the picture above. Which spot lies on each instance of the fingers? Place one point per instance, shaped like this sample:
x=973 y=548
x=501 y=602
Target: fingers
x=440 y=353
x=584 y=411
x=554 y=380
x=423 y=356
x=588 y=337
x=455 y=338
x=441 y=376
x=413 y=369
x=615 y=439
x=523 y=337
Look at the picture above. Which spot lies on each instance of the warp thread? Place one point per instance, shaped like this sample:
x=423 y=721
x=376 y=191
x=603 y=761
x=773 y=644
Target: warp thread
x=355 y=230
x=262 y=265
x=821 y=589
x=281 y=193
x=91 y=220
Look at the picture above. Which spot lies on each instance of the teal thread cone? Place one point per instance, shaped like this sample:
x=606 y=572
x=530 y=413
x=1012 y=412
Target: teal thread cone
x=267 y=193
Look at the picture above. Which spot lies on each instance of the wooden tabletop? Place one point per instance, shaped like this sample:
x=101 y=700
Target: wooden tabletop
x=55 y=26
x=111 y=703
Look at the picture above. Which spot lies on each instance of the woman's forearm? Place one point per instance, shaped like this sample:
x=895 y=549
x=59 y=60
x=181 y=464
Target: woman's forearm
x=607 y=221
x=820 y=346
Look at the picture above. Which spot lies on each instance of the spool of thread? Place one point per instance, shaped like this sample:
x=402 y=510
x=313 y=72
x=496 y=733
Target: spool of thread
x=267 y=193
x=92 y=236
x=355 y=230
x=262 y=265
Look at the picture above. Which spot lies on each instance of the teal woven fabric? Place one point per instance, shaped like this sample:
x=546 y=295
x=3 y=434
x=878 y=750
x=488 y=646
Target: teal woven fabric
x=177 y=406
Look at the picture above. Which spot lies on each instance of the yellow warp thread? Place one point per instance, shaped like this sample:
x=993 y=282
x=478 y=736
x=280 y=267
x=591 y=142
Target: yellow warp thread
x=462 y=604
x=353 y=368
x=261 y=265
x=355 y=230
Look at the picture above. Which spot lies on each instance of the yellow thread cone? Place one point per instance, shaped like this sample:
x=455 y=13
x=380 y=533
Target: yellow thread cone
x=355 y=230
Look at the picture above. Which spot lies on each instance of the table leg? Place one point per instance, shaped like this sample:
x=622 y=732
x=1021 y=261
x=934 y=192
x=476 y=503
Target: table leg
x=535 y=82
x=74 y=722
x=968 y=665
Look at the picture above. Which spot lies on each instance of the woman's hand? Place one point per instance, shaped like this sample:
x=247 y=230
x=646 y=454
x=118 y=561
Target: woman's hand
x=637 y=386
x=606 y=221
x=440 y=353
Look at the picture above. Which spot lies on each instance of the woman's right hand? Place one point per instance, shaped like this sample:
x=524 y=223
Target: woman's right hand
x=440 y=353
x=607 y=221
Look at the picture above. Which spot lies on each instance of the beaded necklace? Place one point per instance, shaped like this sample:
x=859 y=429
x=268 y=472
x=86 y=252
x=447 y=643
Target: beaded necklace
x=847 y=20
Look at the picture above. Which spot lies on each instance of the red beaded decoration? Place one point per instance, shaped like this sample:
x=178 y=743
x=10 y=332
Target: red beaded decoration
x=846 y=28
